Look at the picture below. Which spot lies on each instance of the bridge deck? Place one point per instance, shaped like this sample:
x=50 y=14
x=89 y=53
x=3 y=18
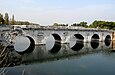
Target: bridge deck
x=62 y=29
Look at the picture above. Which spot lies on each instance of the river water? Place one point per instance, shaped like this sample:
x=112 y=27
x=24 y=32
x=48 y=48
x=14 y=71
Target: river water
x=76 y=58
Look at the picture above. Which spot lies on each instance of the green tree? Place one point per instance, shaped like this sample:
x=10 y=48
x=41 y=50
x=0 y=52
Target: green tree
x=103 y=25
x=55 y=24
x=83 y=24
x=6 y=19
x=1 y=19
x=74 y=24
x=95 y=24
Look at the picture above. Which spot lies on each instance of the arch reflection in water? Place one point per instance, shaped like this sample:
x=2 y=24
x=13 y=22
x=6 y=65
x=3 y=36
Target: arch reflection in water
x=113 y=46
x=94 y=44
x=53 y=44
x=56 y=48
x=24 y=44
x=78 y=42
x=95 y=41
x=78 y=46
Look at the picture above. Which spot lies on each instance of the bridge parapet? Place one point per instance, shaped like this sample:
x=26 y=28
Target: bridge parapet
x=71 y=29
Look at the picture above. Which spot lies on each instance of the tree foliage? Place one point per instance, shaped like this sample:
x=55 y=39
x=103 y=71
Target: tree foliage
x=95 y=24
x=81 y=24
x=22 y=23
x=102 y=24
x=6 y=19
x=1 y=19
x=12 y=21
x=56 y=24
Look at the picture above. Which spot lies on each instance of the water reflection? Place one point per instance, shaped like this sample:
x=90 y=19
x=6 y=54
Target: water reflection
x=41 y=54
x=62 y=53
x=52 y=45
x=113 y=46
x=94 y=44
x=107 y=42
x=78 y=46
x=56 y=48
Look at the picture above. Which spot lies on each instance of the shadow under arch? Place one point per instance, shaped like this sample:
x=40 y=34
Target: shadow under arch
x=30 y=48
x=95 y=37
x=79 y=37
x=108 y=37
x=57 y=45
x=95 y=41
x=56 y=37
x=79 y=42
x=107 y=40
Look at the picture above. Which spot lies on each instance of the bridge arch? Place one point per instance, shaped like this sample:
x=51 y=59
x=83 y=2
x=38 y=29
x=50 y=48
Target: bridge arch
x=79 y=37
x=32 y=45
x=108 y=38
x=57 y=37
x=95 y=37
x=30 y=48
x=79 y=42
x=55 y=45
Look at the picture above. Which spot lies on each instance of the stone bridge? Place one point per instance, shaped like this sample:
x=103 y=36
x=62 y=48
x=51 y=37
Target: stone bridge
x=36 y=36
x=63 y=35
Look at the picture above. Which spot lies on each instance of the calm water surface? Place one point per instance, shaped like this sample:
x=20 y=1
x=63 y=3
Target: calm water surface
x=76 y=58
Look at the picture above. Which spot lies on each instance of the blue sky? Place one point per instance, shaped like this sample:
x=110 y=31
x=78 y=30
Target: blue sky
x=47 y=12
